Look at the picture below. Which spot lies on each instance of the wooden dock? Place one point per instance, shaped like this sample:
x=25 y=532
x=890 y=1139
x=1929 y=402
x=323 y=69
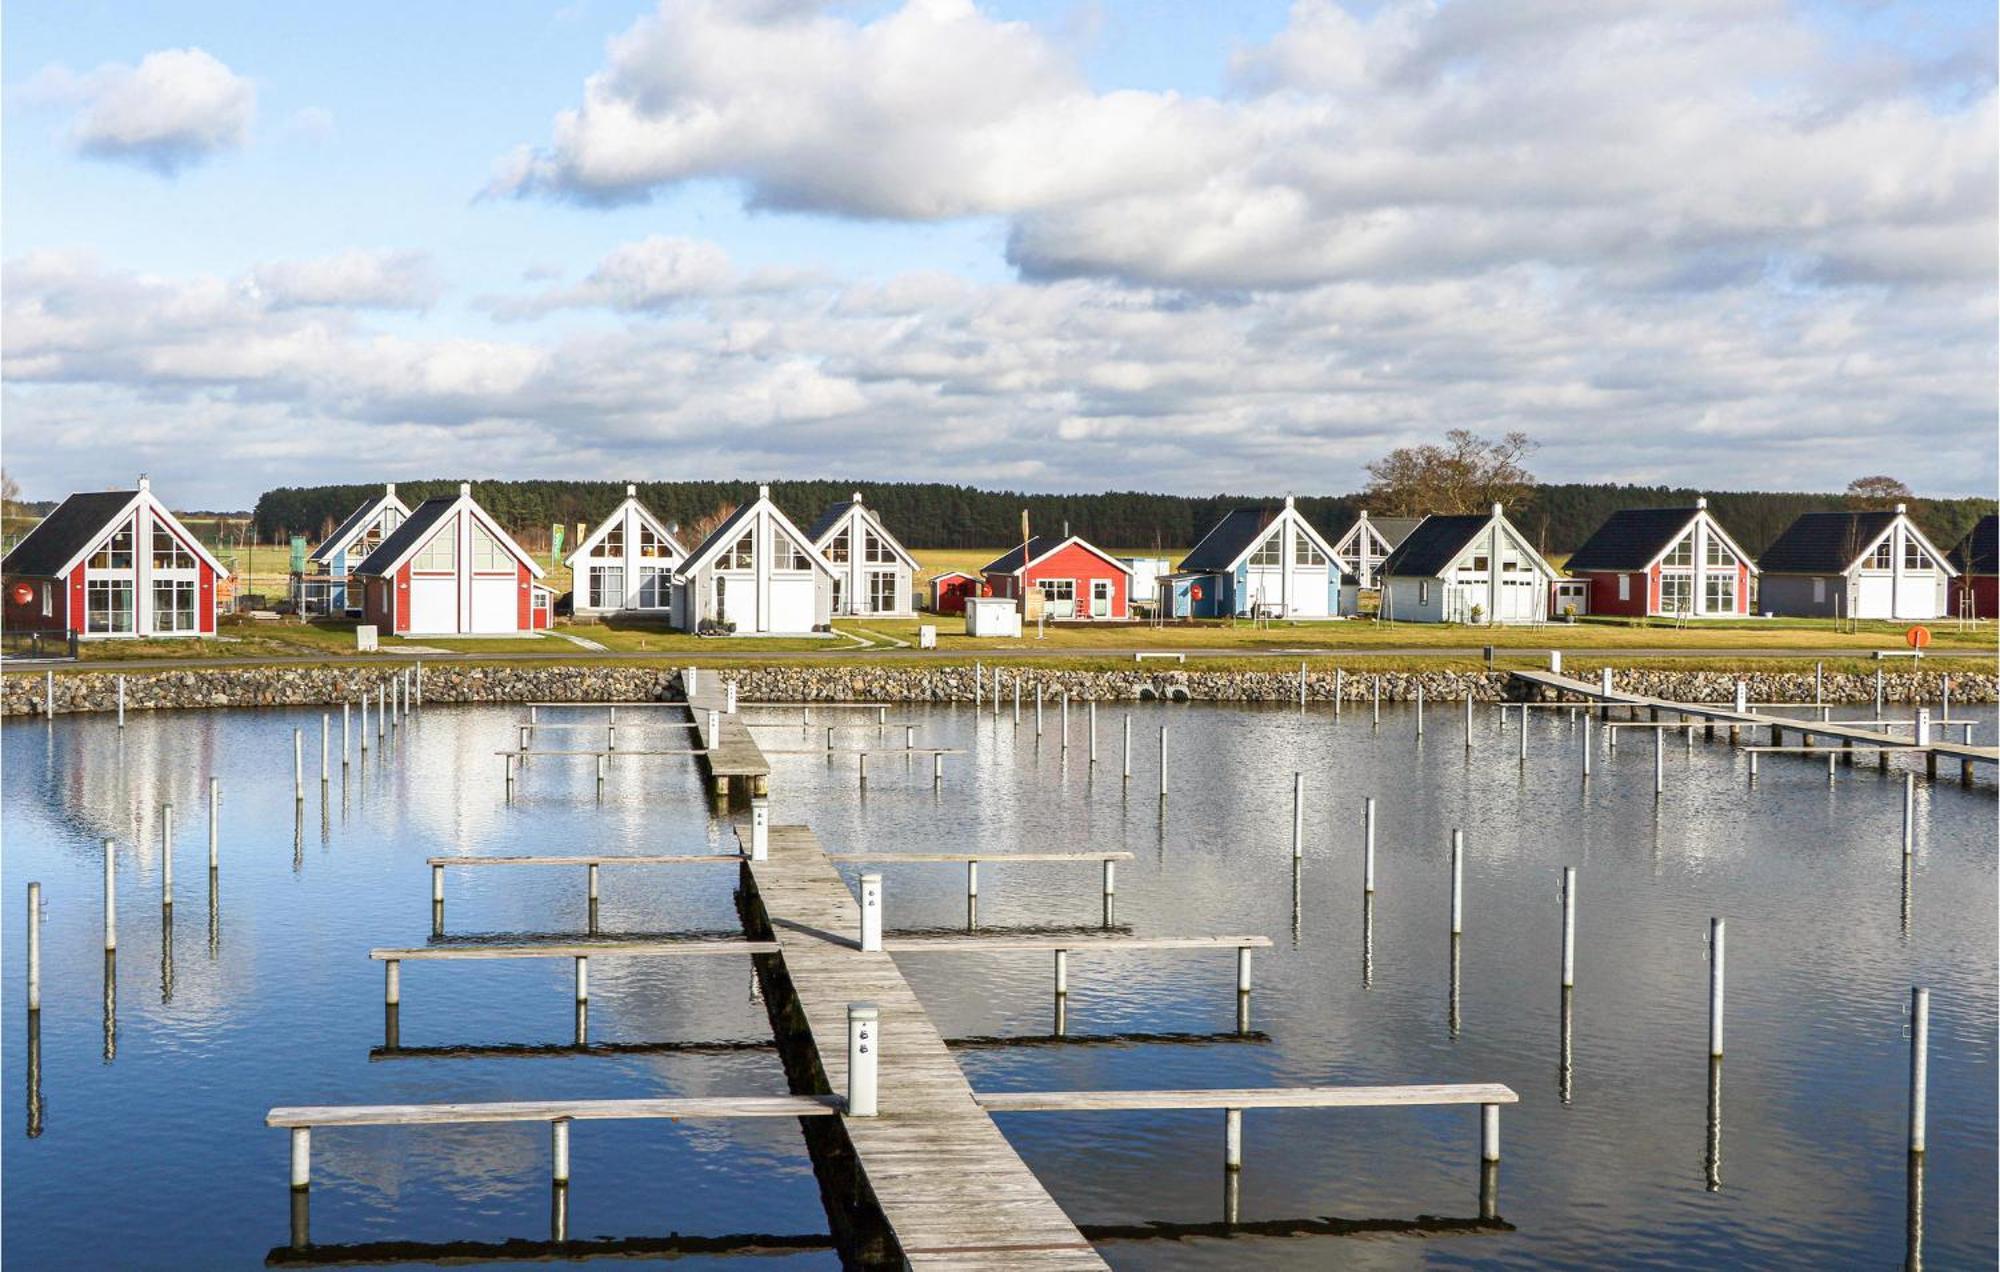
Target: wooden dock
x=953 y=1191
x=732 y=757
x=1848 y=735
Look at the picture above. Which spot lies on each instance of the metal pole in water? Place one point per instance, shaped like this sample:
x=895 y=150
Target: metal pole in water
x=1420 y=708
x=978 y=686
x=1163 y=761
x=1017 y=697
x=1038 y=708
x=1819 y=683
x=166 y=854
x=1659 y=761
x=364 y=723
x=1878 y=693
x=1715 y=959
x=863 y=1043
x=559 y=1150
x=871 y=913
x=1062 y=718
x=1368 y=846
x=583 y=979
x=1909 y=813
x=1377 y=700
x=1457 y=882
x=34 y=947
x=48 y=695
x=1569 y=927
x=863 y=757
x=1586 y=744
x=121 y=702
x=909 y=737
x=325 y=745
x=937 y=767
x=1920 y=1047
x=1302 y=684
x=110 y=897
x=298 y=766
x=381 y=711
x=1489 y=1132
x=1126 y=751
x=1090 y=725
x=1232 y=1139
x=1298 y=816
x=346 y=722
x=1468 y=717
x=1339 y=678
x=1524 y=733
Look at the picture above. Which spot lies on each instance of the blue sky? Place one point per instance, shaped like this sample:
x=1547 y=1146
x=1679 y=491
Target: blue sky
x=1058 y=246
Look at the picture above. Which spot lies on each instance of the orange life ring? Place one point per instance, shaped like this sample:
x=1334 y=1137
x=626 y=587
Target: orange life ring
x=24 y=593
x=1918 y=636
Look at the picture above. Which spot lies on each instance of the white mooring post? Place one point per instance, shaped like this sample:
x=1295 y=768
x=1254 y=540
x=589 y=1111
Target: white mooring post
x=1090 y=729
x=166 y=854
x=1659 y=761
x=1742 y=697
x=1920 y=1047
x=1302 y=684
x=1298 y=816
x=1489 y=1132
x=728 y=698
x=937 y=767
x=1715 y=969
x=1878 y=693
x=1125 y=751
x=1819 y=682
x=1242 y=970
x=863 y=757
x=1062 y=719
x=1457 y=882
x=1944 y=695
x=610 y=737
x=1420 y=708
x=871 y=913
x=214 y=821
x=1062 y=973
x=864 y=1037
x=392 y=982
x=600 y=770
x=1909 y=813
x=559 y=1150
x=301 y=1157
x=1110 y=883
x=1524 y=733
x=972 y=881
x=1368 y=846
x=121 y=702
x=1604 y=691
x=1163 y=761
x=437 y=885
x=34 y=947
x=1468 y=717
x=1569 y=927
x=110 y=896
x=978 y=686
x=582 y=979
x=346 y=731
x=1923 y=726
x=760 y=828
x=48 y=695
x=364 y=723
x=590 y=884
x=325 y=745
x=1339 y=679
x=1017 y=697
x=1375 y=699
x=1232 y=1139
x=381 y=712
x=298 y=766
x=1038 y=708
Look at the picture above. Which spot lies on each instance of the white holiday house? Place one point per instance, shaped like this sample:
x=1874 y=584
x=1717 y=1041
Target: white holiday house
x=1368 y=543
x=872 y=572
x=322 y=588
x=1466 y=569
x=757 y=574
x=627 y=566
x=1855 y=565
x=1258 y=561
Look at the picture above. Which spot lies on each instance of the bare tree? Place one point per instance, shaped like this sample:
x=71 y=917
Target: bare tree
x=707 y=524
x=1879 y=491
x=1466 y=474
x=10 y=491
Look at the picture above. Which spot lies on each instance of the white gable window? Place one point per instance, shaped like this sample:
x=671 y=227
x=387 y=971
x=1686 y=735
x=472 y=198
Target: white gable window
x=613 y=542
x=790 y=556
x=1914 y=557
x=607 y=586
x=878 y=549
x=1624 y=587
x=440 y=555
x=1682 y=553
x=116 y=552
x=652 y=544
x=836 y=548
x=743 y=554
x=655 y=588
x=173 y=605
x=107 y=605
x=488 y=555
x=169 y=553
x=1676 y=594
x=1883 y=557
x=1309 y=553
x=1718 y=552
x=1270 y=552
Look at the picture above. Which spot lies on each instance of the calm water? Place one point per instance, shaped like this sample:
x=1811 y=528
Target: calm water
x=156 y=1155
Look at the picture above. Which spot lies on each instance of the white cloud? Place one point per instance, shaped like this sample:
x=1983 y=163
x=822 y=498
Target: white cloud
x=356 y=279
x=654 y=275
x=176 y=108
x=1423 y=139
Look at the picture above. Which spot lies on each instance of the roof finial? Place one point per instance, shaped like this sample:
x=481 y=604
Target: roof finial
x=146 y=484
x=390 y=489
x=1288 y=501
x=763 y=492
x=631 y=490
x=1364 y=514
x=1701 y=501
x=465 y=490
x=857 y=496
x=1900 y=508
x=1496 y=507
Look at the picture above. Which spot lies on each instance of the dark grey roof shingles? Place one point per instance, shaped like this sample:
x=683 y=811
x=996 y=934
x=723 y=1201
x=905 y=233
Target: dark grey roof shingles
x=324 y=551
x=829 y=518
x=1433 y=545
x=1823 y=542
x=1226 y=541
x=1979 y=551
x=72 y=527
x=725 y=532
x=1630 y=538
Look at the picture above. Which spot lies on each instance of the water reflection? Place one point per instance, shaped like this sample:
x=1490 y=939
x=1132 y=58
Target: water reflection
x=166 y=953
x=34 y=1041
x=110 y=1005
x=1563 y=1064
x=1452 y=1013
x=523 y=1250
x=1367 y=940
x=1712 y=1157
x=214 y=914
x=1913 y=1247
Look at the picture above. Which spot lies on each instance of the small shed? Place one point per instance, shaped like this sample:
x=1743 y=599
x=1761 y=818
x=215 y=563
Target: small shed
x=992 y=616
x=950 y=590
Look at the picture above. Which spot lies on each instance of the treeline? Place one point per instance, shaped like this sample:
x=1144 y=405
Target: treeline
x=935 y=515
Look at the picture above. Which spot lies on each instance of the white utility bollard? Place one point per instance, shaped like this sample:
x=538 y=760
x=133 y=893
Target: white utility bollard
x=1569 y=927
x=864 y=1038
x=1368 y=845
x=1457 y=882
x=1715 y=960
x=689 y=678
x=871 y=913
x=760 y=827
x=729 y=698
x=715 y=730
x=1923 y=726
x=1298 y=816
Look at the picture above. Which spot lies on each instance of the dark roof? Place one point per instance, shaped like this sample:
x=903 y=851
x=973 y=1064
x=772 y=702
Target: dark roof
x=1434 y=544
x=345 y=528
x=1226 y=541
x=1631 y=538
x=828 y=519
x=1824 y=542
x=726 y=532
x=1012 y=560
x=1979 y=551
x=414 y=530
x=1395 y=529
x=72 y=527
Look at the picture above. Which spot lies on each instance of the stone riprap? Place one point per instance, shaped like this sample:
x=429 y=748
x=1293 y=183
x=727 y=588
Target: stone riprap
x=21 y=692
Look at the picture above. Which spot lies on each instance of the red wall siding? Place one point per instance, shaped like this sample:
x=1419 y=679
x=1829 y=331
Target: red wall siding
x=204 y=604
x=524 y=607
x=1604 y=593
x=1084 y=566
x=28 y=617
x=400 y=612
x=1985 y=595
x=1742 y=588
x=77 y=615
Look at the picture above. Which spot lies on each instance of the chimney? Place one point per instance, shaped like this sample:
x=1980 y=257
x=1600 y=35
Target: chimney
x=145 y=484
x=465 y=490
x=1496 y=509
x=390 y=489
x=1899 y=507
x=631 y=491
x=857 y=496
x=1701 y=501
x=763 y=492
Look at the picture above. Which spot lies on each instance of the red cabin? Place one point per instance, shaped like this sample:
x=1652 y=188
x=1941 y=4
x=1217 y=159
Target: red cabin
x=112 y=564
x=1666 y=562
x=1976 y=592
x=1076 y=580
x=450 y=570
x=949 y=590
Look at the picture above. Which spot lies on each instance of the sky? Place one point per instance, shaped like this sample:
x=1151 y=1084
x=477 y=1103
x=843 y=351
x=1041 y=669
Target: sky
x=1180 y=246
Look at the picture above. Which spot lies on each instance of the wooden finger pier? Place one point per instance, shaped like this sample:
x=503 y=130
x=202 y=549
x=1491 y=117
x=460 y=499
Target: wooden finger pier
x=913 y=1170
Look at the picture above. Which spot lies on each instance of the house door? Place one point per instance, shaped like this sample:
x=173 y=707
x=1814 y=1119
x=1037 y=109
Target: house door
x=791 y=605
x=1875 y=597
x=1309 y=592
x=433 y=605
x=1100 y=598
x=495 y=605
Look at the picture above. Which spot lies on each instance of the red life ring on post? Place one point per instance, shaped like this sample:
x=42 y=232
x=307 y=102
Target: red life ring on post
x=1195 y=591
x=1918 y=636
x=24 y=593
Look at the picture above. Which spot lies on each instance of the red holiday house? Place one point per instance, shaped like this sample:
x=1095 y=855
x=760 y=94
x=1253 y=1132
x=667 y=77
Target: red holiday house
x=110 y=564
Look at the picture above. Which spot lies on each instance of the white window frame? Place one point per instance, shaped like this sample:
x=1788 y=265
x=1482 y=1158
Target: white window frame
x=881 y=591
x=445 y=537
x=1270 y=554
x=1048 y=587
x=1624 y=587
x=599 y=589
x=110 y=583
x=1711 y=601
x=483 y=540
x=177 y=587
x=1110 y=597
x=1676 y=581
x=1423 y=591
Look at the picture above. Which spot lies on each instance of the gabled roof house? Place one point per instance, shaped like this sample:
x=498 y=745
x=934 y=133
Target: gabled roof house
x=1875 y=564
x=1074 y=579
x=1266 y=561
x=1466 y=569
x=627 y=565
x=757 y=574
x=872 y=572
x=1368 y=542
x=109 y=564
x=323 y=588
x=1676 y=562
x=450 y=570
x=1977 y=560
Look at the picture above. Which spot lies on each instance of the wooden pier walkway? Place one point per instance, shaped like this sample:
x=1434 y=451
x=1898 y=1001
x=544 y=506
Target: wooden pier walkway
x=732 y=757
x=953 y=1191
x=1847 y=735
